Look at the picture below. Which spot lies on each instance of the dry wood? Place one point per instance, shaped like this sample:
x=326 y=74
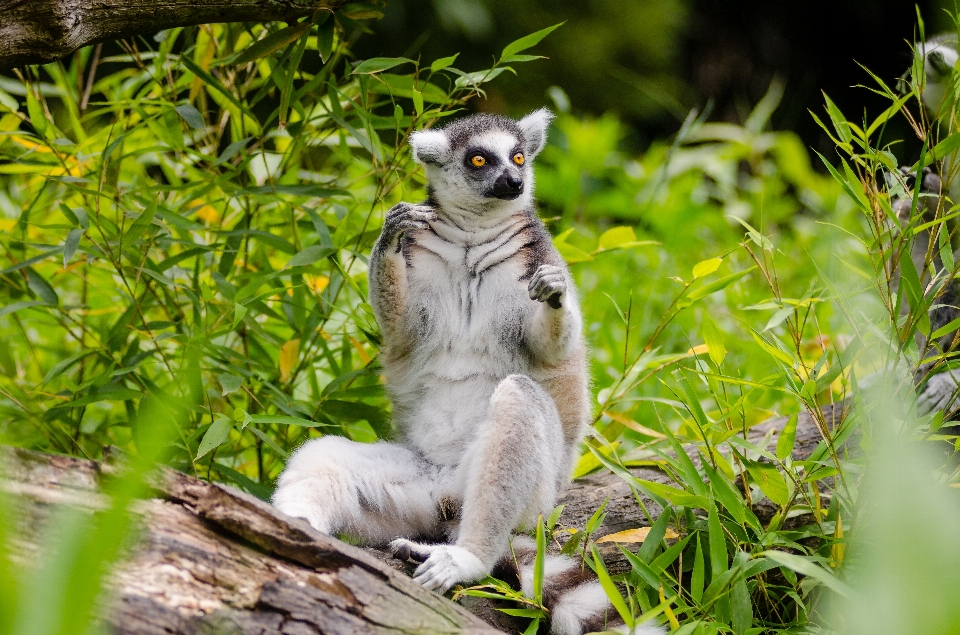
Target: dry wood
x=41 y=31
x=213 y=559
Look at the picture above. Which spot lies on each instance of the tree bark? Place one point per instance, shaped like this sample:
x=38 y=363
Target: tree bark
x=210 y=558
x=41 y=31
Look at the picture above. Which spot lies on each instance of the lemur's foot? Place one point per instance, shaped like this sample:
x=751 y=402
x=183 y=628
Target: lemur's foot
x=548 y=284
x=442 y=565
x=404 y=217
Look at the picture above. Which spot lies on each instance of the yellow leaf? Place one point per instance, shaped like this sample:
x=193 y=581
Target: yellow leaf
x=633 y=425
x=699 y=349
x=207 y=213
x=616 y=237
x=635 y=535
x=288 y=358
x=317 y=283
x=706 y=267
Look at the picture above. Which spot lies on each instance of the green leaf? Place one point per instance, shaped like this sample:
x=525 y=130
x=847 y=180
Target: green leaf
x=675 y=495
x=718 y=543
x=70 y=244
x=417 y=101
x=806 y=566
x=726 y=493
x=777 y=318
x=216 y=434
x=617 y=237
x=741 y=607
x=379 y=64
x=325 y=35
x=951 y=326
x=16 y=306
x=309 y=255
x=696 y=578
x=443 y=62
x=230 y=383
x=39 y=285
x=293 y=421
x=37 y=117
x=770 y=481
x=231 y=150
x=788 y=437
x=654 y=538
x=528 y=40
x=272 y=42
x=266 y=438
x=717 y=285
x=713 y=339
x=192 y=116
x=538 y=562
x=139 y=225
x=706 y=267
x=943 y=149
x=613 y=594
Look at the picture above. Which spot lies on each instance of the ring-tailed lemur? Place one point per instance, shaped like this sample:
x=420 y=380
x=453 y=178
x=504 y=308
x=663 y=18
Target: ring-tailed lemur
x=939 y=86
x=485 y=365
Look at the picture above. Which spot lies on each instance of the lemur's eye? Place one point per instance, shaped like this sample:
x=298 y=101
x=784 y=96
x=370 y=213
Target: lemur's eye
x=518 y=158
x=478 y=161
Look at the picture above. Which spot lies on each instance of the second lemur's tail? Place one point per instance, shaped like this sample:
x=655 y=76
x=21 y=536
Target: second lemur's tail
x=574 y=597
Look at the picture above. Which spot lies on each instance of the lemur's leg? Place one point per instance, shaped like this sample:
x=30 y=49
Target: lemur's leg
x=376 y=491
x=388 y=278
x=510 y=474
x=554 y=327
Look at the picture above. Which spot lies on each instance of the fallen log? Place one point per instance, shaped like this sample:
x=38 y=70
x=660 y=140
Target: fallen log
x=213 y=559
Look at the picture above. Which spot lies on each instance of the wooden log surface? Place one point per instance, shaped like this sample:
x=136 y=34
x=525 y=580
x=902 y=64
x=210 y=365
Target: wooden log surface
x=41 y=31
x=213 y=559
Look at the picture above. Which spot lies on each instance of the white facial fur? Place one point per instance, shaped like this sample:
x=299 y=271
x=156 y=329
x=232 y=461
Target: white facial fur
x=464 y=192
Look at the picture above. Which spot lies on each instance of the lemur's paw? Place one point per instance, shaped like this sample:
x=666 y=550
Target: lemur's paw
x=548 y=284
x=442 y=565
x=404 y=217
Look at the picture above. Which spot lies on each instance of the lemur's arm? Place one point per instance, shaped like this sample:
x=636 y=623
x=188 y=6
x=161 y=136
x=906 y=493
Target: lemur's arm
x=553 y=328
x=388 y=276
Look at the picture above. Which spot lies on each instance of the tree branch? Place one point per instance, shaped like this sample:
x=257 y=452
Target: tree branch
x=41 y=31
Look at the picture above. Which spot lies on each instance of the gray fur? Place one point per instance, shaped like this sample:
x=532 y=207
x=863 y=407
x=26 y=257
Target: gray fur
x=485 y=364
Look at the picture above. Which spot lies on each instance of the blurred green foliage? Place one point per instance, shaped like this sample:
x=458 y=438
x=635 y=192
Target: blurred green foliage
x=186 y=228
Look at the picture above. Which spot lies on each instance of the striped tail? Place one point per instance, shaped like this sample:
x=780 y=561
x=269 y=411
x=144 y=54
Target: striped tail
x=574 y=597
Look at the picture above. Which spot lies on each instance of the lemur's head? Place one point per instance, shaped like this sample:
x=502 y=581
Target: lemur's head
x=939 y=61
x=481 y=165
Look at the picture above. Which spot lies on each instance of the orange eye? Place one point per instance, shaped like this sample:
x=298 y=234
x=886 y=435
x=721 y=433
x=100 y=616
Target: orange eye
x=518 y=158
x=478 y=161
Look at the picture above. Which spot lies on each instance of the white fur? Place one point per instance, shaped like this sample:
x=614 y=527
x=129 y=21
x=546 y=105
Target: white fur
x=937 y=86
x=584 y=602
x=429 y=146
x=534 y=128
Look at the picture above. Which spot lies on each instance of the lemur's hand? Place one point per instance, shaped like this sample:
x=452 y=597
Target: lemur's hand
x=404 y=217
x=549 y=285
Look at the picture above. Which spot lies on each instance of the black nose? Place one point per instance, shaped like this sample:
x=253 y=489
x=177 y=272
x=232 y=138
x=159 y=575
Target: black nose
x=515 y=183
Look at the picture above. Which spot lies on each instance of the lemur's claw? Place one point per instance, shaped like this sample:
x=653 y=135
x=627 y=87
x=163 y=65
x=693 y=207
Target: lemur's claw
x=548 y=284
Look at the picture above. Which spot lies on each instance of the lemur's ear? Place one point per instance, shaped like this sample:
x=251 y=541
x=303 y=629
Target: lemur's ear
x=534 y=127
x=430 y=146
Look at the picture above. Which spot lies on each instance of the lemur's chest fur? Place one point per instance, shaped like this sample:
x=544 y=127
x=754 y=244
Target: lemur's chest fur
x=468 y=306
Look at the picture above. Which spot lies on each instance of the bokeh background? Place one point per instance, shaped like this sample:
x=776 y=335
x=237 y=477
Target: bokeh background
x=651 y=61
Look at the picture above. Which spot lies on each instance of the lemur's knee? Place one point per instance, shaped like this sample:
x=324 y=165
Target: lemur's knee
x=521 y=401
